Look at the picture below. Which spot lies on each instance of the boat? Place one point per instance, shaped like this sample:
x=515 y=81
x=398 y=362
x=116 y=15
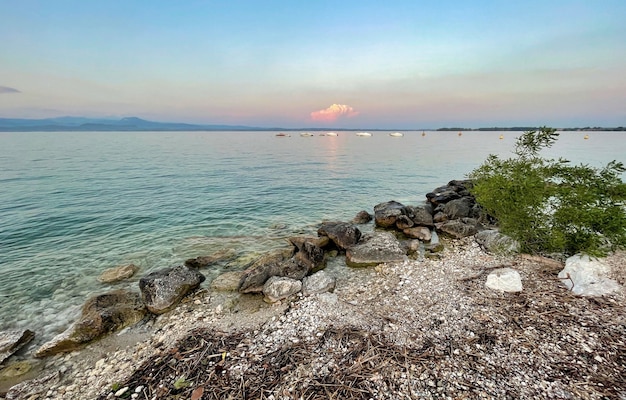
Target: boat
x=586 y=137
x=282 y=134
x=363 y=134
x=501 y=137
x=460 y=134
x=306 y=134
x=332 y=134
x=396 y=134
x=423 y=133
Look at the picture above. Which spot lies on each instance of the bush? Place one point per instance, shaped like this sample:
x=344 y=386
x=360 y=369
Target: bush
x=551 y=205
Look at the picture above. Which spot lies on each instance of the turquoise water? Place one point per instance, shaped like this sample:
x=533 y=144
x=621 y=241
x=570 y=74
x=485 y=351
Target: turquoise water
x=74 y=204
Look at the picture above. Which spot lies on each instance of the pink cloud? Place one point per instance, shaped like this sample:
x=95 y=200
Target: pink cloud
x=333 y=113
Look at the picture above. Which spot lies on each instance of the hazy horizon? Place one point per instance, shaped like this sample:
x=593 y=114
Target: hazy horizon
x=321 y=65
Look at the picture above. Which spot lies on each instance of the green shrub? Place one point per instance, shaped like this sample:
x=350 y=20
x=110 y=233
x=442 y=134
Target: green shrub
x=550 y=205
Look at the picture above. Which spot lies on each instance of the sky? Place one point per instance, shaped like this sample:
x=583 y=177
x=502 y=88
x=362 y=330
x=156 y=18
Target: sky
x=402 y=64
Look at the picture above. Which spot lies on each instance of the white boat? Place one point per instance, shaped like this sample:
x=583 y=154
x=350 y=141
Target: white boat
x=363 y=134
x=306 y=134
x=396 y=134
x=332 y=134
x=281 y=134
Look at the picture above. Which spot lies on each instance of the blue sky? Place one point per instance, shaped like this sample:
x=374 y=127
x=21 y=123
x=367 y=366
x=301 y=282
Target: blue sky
x=397 y=64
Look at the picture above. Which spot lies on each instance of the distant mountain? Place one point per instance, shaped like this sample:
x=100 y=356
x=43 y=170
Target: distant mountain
x=101 y=124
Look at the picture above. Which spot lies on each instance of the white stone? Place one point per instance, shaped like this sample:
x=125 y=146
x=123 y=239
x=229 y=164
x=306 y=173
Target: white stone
x=504 y=279
x=585 y=276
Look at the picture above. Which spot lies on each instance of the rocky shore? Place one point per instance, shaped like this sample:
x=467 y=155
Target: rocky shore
x=392 y=313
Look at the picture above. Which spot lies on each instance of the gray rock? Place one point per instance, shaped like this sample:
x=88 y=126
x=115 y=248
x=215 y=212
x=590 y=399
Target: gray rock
x=386 y=214
x=505 y=280
x=34 y=388
x=100 y=315
x=342 y=234
x=459 y=208
x=117 y=274
x=375 y=248
x=227 y=282
x=308 y=253
x=162 y=290
x=586 y=276
x=319 y=282
x=404 y=222
x=11 y=341
x=419 y=232
x=497 y=243
x=277 y=263
x=460 y=228
x=277 y=288
x=422 y=216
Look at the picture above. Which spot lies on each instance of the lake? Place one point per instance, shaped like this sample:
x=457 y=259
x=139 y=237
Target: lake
x=73 y=204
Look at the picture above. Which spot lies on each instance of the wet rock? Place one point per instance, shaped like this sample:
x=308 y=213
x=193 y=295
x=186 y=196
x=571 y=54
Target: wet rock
x=319 y=282
x=162 y=290
x=12 y=340
x=205 y=261
x=227 y=282
x=375 y=248
x=586 y=276
x=497 y=243
x=505 y=280
x=460 y=228
x=308 y=254
x=362 y=217
x=277 y=263
x=277 y=288
x=386 y=214
x=404 y=222
x=342 y=234
x=34 y=388
x=100 y=315
x=16 y=369
x=117 y=274
x=419 y=232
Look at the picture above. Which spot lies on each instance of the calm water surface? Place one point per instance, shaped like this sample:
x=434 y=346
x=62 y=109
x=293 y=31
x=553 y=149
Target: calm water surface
x=74 y=204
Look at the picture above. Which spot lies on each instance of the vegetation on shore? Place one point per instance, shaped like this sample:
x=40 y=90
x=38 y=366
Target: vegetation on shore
x=550 y=205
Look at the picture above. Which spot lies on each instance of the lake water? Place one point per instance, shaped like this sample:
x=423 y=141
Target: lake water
x=74 y=204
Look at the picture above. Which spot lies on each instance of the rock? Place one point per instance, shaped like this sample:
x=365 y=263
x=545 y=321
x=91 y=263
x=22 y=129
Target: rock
x=386 y=214
x=404 y=222
x=277 y=288
x=375 y=248
x=342 y=234
x=34 y=388
x=100 y=315
x=308 y=253
x=205 y=261
x=504 y=279
x=15 y=369
x=117 y=274
x=495 y=242
x=162 y=290
x=459 y=208
x=227 y=282
x=362 y=217
x=585 y=276
x=422 y=216
x=453 y=190
x=11 y=341
x=319 y=282
x=277 y=263
x=460 y=228
x=419 y=232
x=411 y=246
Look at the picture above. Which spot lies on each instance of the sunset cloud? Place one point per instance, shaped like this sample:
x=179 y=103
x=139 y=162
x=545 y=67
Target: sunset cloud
x=6 y=89
x=333 y=113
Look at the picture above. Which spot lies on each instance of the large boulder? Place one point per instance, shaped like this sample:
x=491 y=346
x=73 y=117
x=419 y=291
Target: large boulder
x=453 y=190
x=495 y=242
x=101 y=315
x=163 y=289
x=282 y=263
x=587 y=276
x=459 y=208
x=342 y=234
x=119 y=273
x=422 y=216
x=460 y=228
x=375 y=248
x=11 y=341
x=386 y=214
